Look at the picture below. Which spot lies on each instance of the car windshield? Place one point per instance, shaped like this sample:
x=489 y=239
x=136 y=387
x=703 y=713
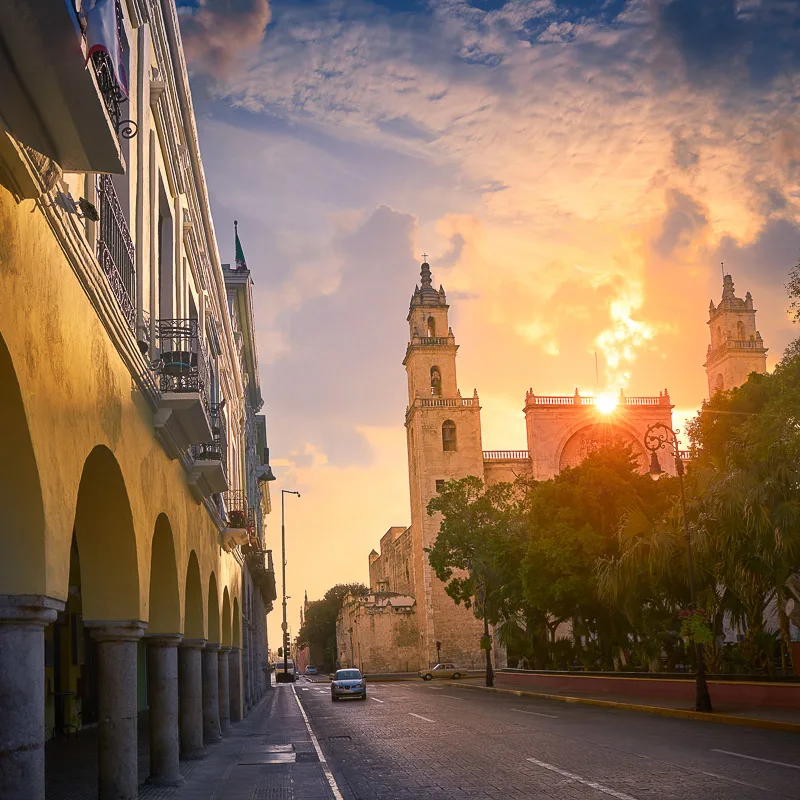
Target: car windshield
x=348 y=675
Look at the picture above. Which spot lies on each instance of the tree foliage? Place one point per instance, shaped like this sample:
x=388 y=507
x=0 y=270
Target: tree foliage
x=318 y=631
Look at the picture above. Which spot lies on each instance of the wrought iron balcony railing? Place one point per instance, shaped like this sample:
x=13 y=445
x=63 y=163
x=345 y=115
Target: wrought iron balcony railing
x=115 y=250
x=236 y=509
x=112 y=94
x=182 y=364
x=217 y=448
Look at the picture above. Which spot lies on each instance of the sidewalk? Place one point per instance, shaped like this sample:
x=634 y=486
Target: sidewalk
x=762 y=717
x=267 y=756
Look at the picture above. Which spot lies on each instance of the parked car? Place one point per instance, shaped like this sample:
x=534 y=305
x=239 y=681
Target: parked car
x=442 y=671
x=348 y=683
x=311 y=670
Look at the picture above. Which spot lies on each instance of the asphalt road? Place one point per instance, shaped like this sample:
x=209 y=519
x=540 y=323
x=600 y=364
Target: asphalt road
x=416 y=740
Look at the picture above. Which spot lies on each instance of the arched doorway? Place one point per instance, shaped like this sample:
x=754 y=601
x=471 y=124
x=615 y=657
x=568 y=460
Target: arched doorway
x=194 y=619
x=164 y=604
x=22 y=533
x=214 y=631
x=591 y=437
x=226 y=618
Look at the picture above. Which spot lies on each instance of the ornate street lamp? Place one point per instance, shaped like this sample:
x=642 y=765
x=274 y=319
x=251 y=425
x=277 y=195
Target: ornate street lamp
x=656 y=438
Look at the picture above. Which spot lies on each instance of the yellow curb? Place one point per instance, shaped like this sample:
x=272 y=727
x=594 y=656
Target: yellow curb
x=725 y=719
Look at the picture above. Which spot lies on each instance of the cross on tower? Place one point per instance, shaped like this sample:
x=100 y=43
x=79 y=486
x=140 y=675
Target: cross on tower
x=424 y=256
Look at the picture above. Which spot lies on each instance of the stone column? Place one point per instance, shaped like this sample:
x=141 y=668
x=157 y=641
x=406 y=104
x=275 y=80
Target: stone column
x=224 y=690
x=162 y=683
x=211 y=730
x=22 y=690
x=190 y=699
x=235 y=691
x=117 y=747
x=246 y=667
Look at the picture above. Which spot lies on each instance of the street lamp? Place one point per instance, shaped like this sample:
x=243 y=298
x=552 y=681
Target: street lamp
x=284 y=625
x=657 y=437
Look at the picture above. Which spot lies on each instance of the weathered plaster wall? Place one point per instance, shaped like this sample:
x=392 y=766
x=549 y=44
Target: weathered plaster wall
x=77 y=395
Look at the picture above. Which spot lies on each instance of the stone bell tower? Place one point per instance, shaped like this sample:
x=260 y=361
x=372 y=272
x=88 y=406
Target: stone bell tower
x=443 y=432
x=736 y=348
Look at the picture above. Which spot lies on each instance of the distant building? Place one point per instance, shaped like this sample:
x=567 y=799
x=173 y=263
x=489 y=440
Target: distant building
x=736 y=348
x=443 y=432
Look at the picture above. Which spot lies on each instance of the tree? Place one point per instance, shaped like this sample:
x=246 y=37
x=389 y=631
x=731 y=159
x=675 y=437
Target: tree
x=467 y=552
x=319 y=624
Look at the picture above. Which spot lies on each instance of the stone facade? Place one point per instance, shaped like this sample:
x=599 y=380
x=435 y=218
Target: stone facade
x=443 y=433
x=736 y=348
x=379 y=632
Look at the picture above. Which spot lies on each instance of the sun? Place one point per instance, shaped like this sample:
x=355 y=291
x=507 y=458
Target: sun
x=605 y=403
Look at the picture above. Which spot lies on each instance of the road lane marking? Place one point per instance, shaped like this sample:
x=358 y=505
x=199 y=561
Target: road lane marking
x=535 y=713
x=591 y=784
x=304 y=689
x=419 y=716
x=376 y=700
x=753 y=758
x=452 y=697
x=320 y=755
x=732 y=780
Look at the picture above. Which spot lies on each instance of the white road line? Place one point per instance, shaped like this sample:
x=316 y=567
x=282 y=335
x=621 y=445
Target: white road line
x=325 y=768
x=731 y=780
x=304 y=689
x=753 y=758
x=376 y=700
x=591 y=784
x=535 y=713
x=452 y=697
x=419 y=716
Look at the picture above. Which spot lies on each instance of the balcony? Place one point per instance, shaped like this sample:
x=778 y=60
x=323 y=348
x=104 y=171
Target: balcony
x=50 y=100
x=237 y=531
x=262 y=571
x=182 y=418
x=209 y=472
x=115 y=250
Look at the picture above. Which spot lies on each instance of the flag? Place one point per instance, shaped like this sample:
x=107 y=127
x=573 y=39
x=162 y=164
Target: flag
x=102 y=36
x=240 y=262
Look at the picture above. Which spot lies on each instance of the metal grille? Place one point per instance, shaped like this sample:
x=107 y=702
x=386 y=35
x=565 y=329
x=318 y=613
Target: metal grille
x=217 y=448
x=115 y=250
x=236 y=509
x=182 y=365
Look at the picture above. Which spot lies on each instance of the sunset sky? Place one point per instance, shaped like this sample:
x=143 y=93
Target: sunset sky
x=576 y=172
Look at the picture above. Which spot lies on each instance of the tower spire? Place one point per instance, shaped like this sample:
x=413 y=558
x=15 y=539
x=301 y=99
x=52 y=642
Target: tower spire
x=240 y=262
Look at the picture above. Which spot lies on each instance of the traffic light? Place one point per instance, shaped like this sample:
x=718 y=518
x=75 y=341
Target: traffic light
x=280 y=651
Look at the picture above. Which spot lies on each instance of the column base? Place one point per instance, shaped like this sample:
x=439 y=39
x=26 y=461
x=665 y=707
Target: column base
x=209 y=740
x=193 y=755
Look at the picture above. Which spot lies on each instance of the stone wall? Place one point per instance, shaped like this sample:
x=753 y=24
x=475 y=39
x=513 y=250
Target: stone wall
x=393 y=569
x=378 y=632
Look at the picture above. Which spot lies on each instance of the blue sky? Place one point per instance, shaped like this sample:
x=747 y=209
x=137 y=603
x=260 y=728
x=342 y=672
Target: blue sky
x=577 y=171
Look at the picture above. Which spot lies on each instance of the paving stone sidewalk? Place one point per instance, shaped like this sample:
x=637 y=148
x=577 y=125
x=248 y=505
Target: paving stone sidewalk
x=275 y=722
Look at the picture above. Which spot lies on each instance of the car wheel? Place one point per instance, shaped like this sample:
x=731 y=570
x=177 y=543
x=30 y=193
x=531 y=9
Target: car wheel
x=364 y=696
x=428 y=677
x=334 y=698
x=456 y=676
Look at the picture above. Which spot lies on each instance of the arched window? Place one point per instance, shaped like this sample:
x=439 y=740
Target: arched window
x=436 y=382
x=719 y=383
x=740 y=330
x=719 y=336
x=449 y=435
x=431 y=326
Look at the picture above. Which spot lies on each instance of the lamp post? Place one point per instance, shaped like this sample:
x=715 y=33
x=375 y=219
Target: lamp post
x=657 y=437
x=284 y=625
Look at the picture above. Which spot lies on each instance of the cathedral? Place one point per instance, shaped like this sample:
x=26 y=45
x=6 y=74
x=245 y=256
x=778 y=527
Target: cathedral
x=407 y=621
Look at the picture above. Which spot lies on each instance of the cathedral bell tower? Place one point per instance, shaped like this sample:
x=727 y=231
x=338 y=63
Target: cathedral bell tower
x=443 y=433
x=736 y=348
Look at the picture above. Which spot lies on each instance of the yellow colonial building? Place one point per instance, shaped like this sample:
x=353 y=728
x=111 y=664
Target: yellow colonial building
x=134 y=470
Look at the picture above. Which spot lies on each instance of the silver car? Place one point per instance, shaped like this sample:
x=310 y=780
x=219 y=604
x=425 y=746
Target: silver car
x=348 y=683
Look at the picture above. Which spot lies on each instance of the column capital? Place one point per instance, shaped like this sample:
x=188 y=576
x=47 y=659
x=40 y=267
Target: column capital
x=225 y=649
x=234 y=649
x=130 y=630
x=213 y=646
x=28 y=609
x=193 y=644
x=163 y=639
